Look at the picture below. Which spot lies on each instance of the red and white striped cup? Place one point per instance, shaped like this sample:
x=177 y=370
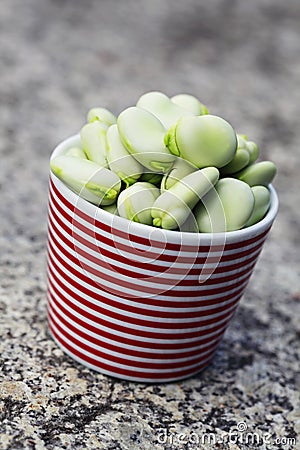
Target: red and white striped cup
x=136 y=302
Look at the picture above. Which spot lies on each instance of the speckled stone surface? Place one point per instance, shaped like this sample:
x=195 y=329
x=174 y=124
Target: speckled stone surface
x=57 y=59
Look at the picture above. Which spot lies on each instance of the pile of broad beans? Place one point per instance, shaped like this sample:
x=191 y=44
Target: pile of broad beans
x=168 y=163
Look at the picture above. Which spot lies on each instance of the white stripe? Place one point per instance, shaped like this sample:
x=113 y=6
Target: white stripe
x=127 y=302
x=143 y=378
x=119 y=343
x=142 y=247
x=137 y=338
x=130 y=315
x=144 y=285
x=205 y=308
x=119 y=365
x=143 y=259
x=123 y=355
x=147 y=272
x=123 y=292
x=190 y=239
x=143 y=282
x=122 y=323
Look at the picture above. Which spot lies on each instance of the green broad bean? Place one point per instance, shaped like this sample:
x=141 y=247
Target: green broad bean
x=102 y=115
x=135 y=202
x=262 y=200
x=190 y=225
x=227 y=207
x=143 y=136
x=253 y=151
x=202 y=140
x=173 y=207
x=76 y=151
x=93 y=141
x=119 y=160
x=241 y=141
x=88 y=179
x=162 y=107
x=250 y=146
x=258 y=174
x=113 y=208
x=184 y=169
x=190 y=103
x=152 y=177
x=240 y=160
x=179 y=170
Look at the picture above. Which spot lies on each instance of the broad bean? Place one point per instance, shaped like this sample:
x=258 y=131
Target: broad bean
x=262 y=199
x=202 y=140
x=113 y=208
x=239 y=161
x=93 y=140
x=190 y=103
x=102 y=115
x=227 y=207
x=183 y=168
x=162 y=107
x=135 y=202
x=76 y=151
x=257 y=174
x=88 y=179
x=173 y=206
x=119 y=160
x=250 y=146
x=143 y=136
x=179 y=170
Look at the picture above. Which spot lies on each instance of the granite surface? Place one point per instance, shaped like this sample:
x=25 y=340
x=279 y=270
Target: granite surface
x=57 y=59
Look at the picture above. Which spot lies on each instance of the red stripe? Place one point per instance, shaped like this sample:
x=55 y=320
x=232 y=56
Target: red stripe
x=140 y=289
x=142 y=311
x=178 y=258
x=117 y=371
x=132 y=352
x=155 y=267
x=125 y=327
x=142 y=240
x=154 y=279
x=115 y=359
x=145 y=364
x=135 y=320
x=147 y=266
x=94 y=292
x=229 y=268
x=168 y=345
x=127 y=272
x=132 y=310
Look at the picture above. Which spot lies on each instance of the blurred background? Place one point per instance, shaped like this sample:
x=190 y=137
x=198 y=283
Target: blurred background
x=58 y=58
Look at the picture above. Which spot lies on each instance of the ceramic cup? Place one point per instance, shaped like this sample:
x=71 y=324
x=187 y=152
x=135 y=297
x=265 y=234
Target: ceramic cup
x=141 y=303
